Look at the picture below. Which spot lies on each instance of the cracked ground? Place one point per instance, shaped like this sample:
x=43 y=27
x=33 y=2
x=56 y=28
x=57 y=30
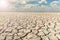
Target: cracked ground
x=17 y=26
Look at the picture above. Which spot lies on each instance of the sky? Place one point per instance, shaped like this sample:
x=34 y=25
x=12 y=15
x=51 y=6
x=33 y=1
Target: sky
x=30 y=5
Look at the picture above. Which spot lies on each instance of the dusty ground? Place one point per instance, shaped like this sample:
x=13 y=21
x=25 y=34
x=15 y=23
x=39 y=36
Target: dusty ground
x=29 y=26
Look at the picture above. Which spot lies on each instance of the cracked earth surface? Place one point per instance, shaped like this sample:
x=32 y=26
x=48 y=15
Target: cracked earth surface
x=30 y=27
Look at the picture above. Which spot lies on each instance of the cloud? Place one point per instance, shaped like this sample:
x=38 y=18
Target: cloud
x=28 y=6
x=23 y=2
x=21 y=5
x=42 y=1
x=42 y=8
x=36 y=7
x=18 y=1
x=54 y=4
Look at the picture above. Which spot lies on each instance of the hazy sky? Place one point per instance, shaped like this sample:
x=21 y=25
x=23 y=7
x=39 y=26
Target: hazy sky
x=30 y=5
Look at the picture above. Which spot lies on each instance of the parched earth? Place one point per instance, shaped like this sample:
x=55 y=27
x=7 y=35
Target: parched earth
x=30 y=27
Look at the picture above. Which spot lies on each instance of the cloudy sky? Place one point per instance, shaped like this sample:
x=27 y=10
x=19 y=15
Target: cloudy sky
x=30 y=5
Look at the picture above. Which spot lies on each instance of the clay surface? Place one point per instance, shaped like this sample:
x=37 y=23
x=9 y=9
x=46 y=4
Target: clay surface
x=34 y=26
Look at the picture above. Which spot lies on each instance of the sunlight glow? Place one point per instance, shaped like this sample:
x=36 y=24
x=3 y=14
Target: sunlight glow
x=3 y=4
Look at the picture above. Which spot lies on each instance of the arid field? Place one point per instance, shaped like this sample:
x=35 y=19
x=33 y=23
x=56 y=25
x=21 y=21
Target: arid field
x=29 y=26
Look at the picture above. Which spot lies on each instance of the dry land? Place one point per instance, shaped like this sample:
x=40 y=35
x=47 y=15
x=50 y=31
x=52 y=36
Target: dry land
x=29 y=26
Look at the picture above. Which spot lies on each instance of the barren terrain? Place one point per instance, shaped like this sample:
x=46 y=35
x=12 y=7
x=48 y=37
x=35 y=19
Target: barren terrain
x=29 y=26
